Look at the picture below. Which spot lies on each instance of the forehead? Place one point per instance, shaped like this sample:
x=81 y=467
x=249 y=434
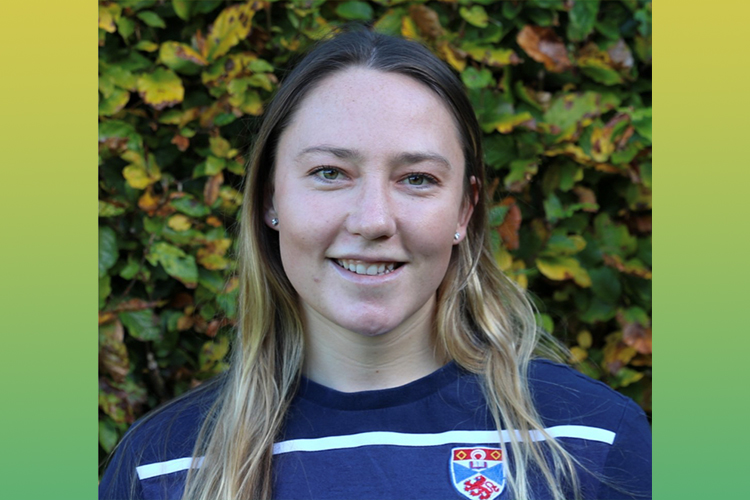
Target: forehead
x=373 y=111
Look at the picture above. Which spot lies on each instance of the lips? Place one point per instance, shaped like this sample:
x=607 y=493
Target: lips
x=367 y=268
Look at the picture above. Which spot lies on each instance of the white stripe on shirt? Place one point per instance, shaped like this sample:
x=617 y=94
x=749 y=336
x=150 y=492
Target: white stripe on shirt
x=391 y=439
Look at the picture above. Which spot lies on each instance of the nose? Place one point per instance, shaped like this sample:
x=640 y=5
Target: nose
x=371 y=214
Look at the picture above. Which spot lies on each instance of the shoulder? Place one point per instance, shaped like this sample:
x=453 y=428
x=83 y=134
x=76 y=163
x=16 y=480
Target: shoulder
x=564 y=395
x=166 y=433
x=617 y=452
x=171 y=429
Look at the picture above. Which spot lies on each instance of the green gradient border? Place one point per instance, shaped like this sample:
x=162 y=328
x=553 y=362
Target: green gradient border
x=701 y=218
x=48 y=250
x=48 y=253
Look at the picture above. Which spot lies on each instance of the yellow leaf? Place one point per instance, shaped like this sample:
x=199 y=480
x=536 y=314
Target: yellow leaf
x=507 y=124
x=584 y=339
x=219 y=146
x=108 y=16
x=452 y=57
x=493 y=57
x=519 y=275
x=601 y=144
x=571 y=150
x=136 y=176
x=503 y=259
x=563 y=268
x=148 y=202
x=179 y=222
x=231 y=26
x=253 y=105
x=577 y=354
x=161 y=89
x=616 y=353
x=409 y=28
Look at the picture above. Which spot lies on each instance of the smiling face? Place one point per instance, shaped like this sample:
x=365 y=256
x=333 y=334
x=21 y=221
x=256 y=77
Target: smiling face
x=368 y=192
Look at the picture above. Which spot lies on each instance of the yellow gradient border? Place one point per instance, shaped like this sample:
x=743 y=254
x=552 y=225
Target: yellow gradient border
x=48 y=250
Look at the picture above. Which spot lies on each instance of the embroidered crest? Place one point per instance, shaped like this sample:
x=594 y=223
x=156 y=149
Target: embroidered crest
x=478 y=473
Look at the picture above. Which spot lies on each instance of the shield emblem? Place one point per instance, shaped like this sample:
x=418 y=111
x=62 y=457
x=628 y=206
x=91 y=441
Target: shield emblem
x=478 y=473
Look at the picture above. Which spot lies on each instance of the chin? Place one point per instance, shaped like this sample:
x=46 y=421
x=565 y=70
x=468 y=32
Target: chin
x=370 y=327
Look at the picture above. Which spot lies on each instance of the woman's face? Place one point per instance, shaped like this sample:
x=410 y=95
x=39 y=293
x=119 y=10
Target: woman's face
x=368 y=191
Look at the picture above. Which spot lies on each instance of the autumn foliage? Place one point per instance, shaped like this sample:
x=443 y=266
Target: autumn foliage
x=563 y=95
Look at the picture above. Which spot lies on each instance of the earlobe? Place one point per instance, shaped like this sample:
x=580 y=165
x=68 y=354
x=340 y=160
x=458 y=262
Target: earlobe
x=271 y=219
x=467 y=209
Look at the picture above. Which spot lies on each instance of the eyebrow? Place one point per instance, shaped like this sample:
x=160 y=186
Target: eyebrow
x=405 y=158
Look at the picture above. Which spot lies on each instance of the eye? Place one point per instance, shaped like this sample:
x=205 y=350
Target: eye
x=420 y=179
x=327 y=173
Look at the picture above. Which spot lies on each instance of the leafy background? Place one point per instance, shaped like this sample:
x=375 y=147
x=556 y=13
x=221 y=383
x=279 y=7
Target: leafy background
x=561 y=89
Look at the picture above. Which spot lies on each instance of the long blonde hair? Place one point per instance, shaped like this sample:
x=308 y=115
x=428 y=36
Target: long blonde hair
x=484 y=321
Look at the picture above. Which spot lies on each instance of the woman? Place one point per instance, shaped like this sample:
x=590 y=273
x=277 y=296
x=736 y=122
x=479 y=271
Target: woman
x=381 y=353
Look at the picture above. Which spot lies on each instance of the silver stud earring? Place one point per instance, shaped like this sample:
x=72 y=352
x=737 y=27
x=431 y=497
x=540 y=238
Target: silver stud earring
x=274 y=222
x=456 y=236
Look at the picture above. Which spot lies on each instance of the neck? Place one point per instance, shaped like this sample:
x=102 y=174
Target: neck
x=351 y=362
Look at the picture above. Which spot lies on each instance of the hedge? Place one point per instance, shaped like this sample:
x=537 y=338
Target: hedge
x=563 y=95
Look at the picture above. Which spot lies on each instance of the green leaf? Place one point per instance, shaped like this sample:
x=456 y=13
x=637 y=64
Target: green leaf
x=260 y=66
x=476 y=79
x=188 y=205
x=104 y=290
x=131 y=268
x=151 y=19
x=125 y=27
x=114 y=103
x=475 y=15
x=521 y=172
x=161 y=89
x=545 y=321
x=212 y=354
x=181 y=58
x=645 y=169
x=183 y=8
x=108 y=250
x=390 y=23
x=598 y=310
x=212 y=280
x=108 y=435
x=497 y=214
x=175 y=262
x=636 y=315
x=228 y=303
x=627 y=376
x=141 y=325
x=561 y=244
x=511 y=9
x=355 y=11
x=641 y=120
x=147 y=46
x=499 y=150
x=214 y=165
x=605 y=284
x=116 y=133
x=582 y=18
x=568 y=110
x=614 y=239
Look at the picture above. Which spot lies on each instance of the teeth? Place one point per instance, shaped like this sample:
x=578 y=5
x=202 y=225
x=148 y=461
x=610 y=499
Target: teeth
x=360 y=267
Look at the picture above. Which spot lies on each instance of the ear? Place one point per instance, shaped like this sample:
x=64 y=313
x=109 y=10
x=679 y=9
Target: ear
x=467 y=209
x=269 y=211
